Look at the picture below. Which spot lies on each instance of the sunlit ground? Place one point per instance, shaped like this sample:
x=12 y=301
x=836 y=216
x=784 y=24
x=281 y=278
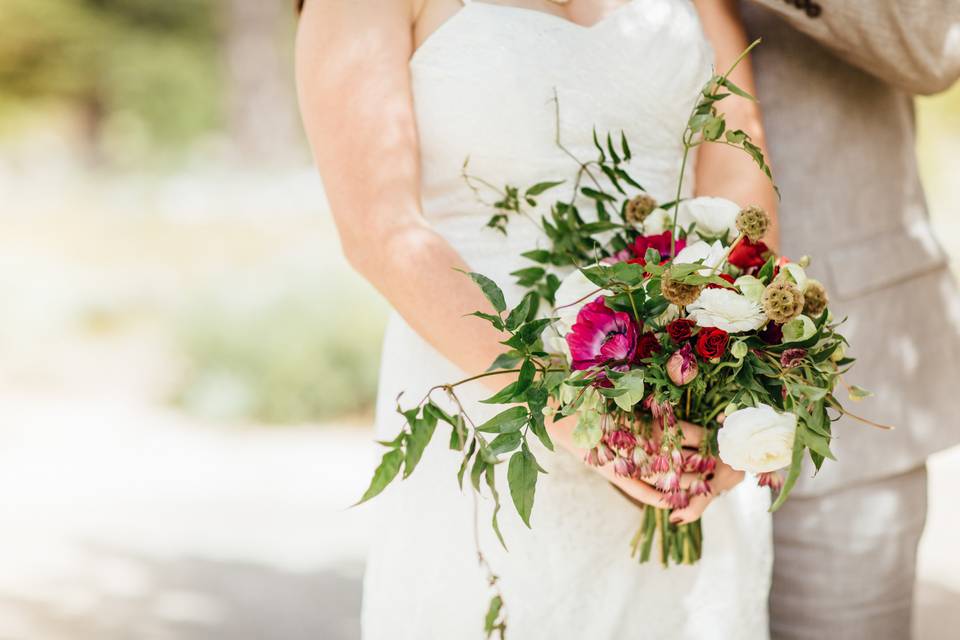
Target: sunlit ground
x=138 y=497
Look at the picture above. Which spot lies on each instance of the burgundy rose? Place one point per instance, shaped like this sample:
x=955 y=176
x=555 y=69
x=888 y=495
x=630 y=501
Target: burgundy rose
x=648 y=345
x=712 y=342
x=660 y=242
x=748 y=255
x=772 y=333
x=681 y=329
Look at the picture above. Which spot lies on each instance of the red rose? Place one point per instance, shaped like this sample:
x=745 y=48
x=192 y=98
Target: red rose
x=648 y=345
x=748 y=255
x=725 y=276
x=681 y=329
x=712 y=342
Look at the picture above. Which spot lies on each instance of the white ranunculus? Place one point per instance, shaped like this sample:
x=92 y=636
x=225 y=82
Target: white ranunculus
x=751 y=287
x=714 y=217
x=711 y=255
x=797 y=274
x=572 y=294
x=727 y=310
x=757 y=439
x=657 y=222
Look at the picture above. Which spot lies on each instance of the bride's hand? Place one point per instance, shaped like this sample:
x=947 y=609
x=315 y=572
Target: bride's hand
x=643 y=491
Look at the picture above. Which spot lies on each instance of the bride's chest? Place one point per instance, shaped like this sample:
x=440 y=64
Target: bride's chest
x=496 y=81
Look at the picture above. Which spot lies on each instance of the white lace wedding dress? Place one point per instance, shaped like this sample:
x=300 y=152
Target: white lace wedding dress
x=483 y=87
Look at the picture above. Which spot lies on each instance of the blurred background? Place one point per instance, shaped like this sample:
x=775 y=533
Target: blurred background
x=187 y=366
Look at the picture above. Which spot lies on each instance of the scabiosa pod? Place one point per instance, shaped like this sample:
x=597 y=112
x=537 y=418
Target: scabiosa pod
x=639 y=208
x=677 y=292
x=753 y=222
x=815 y=298
x=782 y=301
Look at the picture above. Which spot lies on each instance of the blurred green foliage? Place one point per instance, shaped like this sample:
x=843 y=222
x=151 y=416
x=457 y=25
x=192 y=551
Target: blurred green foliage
x=302 y=356
x=151 y=64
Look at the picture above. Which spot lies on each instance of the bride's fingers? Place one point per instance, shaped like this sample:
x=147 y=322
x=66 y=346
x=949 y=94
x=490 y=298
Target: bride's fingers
x=692 y=434
x=692 y=512
x=685 y=480
x=636 y=489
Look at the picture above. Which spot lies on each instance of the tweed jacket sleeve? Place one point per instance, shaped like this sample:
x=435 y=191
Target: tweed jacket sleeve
x=911 y=44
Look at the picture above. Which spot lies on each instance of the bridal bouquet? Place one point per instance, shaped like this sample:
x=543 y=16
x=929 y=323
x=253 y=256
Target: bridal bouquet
x=639 y=316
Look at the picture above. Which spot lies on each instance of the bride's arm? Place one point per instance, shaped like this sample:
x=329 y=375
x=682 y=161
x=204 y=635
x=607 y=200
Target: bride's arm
x=721 y=170
x=354 y=89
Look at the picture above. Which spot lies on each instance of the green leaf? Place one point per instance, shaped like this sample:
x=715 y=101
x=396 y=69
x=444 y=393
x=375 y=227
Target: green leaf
x=527 y=371
x=490 y=290
x=625 y=146
x=421 y=432
x=529 y=276
x=538 y=255
x=857 y=394
x=613 y=153
x=519 y=313
x=541 y=187
x=503 y=396
x=496 y=321
x=632 y=386
x=512 y=419
x=587 y=433
x=458 y=434
x=599 y=196
x=505 y=443
x=466 y=462
x=522 y=477
x=491 y=479
x=736 y=137
x=506 y=360
x=493 y=613
x=385 y=473
x=476 y=472
x=817 y=443
x=735 y=89
x=796 y=463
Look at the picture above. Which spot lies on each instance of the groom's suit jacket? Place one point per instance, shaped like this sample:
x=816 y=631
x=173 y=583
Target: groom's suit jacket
x=836 y=80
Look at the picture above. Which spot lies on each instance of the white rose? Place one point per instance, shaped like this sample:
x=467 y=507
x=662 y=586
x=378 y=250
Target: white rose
x=727 y=310
x=757 y=439
x=711 y=255
x=572 y=295
x=714 y=217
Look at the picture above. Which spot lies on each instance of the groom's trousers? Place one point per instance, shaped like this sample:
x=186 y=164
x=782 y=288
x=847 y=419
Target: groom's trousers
x=846 y=561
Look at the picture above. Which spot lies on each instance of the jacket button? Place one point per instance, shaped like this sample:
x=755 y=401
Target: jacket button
x=814 y=9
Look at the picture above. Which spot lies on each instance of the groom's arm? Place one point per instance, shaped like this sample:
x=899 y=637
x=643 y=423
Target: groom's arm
x=912 y=44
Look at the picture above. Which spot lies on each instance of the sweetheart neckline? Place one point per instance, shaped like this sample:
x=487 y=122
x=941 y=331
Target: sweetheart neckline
x=576 y=26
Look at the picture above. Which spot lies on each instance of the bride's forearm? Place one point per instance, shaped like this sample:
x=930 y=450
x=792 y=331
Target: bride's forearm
x=416 y=269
